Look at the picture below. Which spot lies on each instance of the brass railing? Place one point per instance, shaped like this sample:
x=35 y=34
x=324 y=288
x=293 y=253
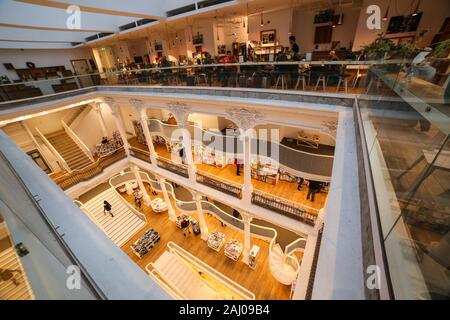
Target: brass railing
x=70 y=179
x=179 y=169
x=284 y=207
x=219 y=184
x=140 y=154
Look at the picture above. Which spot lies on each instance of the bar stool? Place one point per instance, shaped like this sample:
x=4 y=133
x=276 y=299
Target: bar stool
x=200 y=76
x=283 y=81
x=322 y=79
x=302 y=78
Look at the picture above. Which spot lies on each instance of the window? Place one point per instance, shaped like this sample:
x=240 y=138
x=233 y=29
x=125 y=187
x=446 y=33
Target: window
x=323 y=34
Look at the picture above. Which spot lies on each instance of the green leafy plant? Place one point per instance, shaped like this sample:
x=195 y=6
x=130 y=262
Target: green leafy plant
x=378 y=48
x=443 y=49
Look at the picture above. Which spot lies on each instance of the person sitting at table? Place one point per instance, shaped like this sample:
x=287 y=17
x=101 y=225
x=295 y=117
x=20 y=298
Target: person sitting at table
x=229 y=72
x=208 y=70
x=282 y=70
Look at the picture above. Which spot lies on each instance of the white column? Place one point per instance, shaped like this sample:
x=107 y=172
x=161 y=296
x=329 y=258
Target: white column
x=201 y=216
x=170 y=210
x=98 y=110
x=119 y=124
x=247 y=245
x=247 y=188
x=147 y=199
x=246 y=120
x=143 y=118
x=181 y=113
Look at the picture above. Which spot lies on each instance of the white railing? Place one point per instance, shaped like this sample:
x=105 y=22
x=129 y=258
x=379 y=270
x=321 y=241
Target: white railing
x=136 y=212
x=265 y=233
x=53 y=150
x=186 y=257
x=172 y=290
x=295 y=245
x=77 y=140
x=88 y=213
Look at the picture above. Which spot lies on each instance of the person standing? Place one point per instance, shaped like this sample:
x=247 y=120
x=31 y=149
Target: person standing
x=181 y=154
x=295 y=49
x=314 y=187
x=236 y=163
x=300 y=183
x=107 y=208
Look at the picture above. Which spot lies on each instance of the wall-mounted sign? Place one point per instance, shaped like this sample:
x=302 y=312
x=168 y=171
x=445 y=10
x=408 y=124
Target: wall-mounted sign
x=402 y=24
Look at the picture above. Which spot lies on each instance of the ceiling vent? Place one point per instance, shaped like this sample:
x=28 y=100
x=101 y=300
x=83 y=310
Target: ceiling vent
x=209 y=3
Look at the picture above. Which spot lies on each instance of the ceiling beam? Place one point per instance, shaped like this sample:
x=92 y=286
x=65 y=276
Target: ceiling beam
x=34 y=45
x=18 y=34
x=131 y=8
x=34 y=16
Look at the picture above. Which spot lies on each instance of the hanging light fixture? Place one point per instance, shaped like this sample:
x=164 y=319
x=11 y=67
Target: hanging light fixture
x=416 y=11
x=387 y=12
x=262 y=19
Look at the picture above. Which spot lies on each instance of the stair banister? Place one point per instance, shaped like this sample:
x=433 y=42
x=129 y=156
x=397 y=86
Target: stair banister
x=77 y=140
x=53 y=150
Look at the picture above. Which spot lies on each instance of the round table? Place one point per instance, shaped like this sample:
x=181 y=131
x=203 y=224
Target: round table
x=158 y=205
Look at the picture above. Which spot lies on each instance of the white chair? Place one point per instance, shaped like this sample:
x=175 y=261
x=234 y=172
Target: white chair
x=281 y=77
x=322 y=79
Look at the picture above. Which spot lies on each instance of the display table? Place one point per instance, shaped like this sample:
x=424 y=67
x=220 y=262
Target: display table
x=311 y=141
x=252 y=256
x=158 y=205
x=147 y=241
x=233 y=249
x=180 y=218
x=128 y=187
x=215 y=240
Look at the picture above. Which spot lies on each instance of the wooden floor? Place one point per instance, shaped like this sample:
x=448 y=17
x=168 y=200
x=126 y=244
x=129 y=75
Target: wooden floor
x=283 y=189
x=259 y=281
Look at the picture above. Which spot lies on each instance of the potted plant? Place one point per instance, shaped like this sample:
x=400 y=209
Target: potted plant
x=378 y=48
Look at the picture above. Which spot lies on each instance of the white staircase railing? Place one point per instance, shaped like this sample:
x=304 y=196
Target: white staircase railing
x=89 y=213
x=61 y=160
x=188 y=258
x=77 y=140
x=281 y=272
x=113 y=183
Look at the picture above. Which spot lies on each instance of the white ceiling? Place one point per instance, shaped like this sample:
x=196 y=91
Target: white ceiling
x=41 y=24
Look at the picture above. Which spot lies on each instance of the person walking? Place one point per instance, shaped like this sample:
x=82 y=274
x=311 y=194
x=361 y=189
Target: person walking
x=107 y=208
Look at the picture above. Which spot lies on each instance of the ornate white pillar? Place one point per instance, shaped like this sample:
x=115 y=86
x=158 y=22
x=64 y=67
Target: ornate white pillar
x=170 y=210
x=118 y=120
x=319 y=220
x=143 y=118
x=201 y=217
x=247 y=245
x=147 y=199
x=97 y=106
x=246 y=120
x=181 y=113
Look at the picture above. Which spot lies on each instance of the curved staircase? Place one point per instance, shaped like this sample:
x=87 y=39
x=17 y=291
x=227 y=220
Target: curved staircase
x=125 y=222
